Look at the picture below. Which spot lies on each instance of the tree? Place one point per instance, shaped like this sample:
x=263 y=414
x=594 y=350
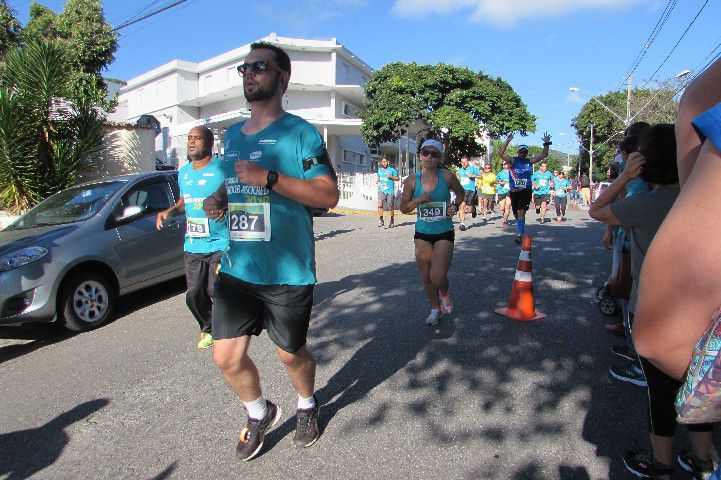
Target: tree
x=45 y=141
x=9 y=29
x=401 y=95
x=656 y=105
x=88 y=41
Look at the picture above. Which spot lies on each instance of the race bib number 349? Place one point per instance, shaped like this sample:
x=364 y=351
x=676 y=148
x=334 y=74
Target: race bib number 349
x=432 y=211
x=249 y=222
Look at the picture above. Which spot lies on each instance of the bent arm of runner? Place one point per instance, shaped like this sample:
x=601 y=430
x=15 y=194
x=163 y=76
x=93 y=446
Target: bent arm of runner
x=502 y=150
x=215 y=205
x=177 y=209
x=456 y=187
x=408 y=203
x=320 y=192
x=546 y=143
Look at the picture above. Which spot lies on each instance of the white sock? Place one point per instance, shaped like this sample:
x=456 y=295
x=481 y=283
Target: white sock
x=306 y=403
x=257 y=409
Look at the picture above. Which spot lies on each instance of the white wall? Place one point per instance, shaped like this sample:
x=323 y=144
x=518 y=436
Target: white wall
x=310 y=104
x=311 y=68
x=348 y=74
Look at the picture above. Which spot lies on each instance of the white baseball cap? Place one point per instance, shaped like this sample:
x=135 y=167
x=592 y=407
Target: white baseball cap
x=433 y=143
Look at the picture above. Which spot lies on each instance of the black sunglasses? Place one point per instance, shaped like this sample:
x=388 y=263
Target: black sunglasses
x=430 y=153
x=255 y=67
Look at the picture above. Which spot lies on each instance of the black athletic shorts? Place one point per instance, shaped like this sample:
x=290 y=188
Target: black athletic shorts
x=470 y=197
x=520 y=200
x=450 y=235
x=542 y=198
x=241 y=308
x=502 y=197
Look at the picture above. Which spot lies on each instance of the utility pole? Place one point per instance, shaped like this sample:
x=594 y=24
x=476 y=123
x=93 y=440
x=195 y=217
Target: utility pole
x=628 y=102
x=590 y=161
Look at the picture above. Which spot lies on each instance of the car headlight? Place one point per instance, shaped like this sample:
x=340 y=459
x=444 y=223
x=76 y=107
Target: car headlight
x=22 y=257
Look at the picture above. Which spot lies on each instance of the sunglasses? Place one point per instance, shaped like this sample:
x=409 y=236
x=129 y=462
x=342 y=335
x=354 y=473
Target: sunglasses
x=430 y=153
x=255 y=67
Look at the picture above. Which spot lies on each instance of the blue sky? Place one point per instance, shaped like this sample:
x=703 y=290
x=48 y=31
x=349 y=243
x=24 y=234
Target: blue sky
x=541 y=47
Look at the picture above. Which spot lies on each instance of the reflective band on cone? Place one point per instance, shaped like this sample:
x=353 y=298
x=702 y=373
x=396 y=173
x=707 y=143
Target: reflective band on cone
x=521 y=304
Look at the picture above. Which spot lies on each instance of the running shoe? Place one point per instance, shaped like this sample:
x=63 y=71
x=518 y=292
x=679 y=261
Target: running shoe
x=253 y=434
x=631 y=373
x=615 y=329
x=698 y=469
x=306 y=426
x=391 y=224
x=462 y=227
x=433 y=317
x=505 y=223
x=485 y=220
x=641 y=465
x=624 y=352
x=206 y=341
x=518 y=238
x=380 y=223
x=446 y=305
x=558 y=220
x=473 y=212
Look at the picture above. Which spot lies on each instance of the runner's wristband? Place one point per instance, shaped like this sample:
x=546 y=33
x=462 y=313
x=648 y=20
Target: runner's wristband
x=546 y=144
x=271 y=179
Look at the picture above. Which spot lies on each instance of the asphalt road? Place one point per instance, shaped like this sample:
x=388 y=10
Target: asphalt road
x=481 y=396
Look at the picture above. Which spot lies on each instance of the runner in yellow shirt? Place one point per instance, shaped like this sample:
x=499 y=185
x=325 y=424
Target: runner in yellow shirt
x=487 y=186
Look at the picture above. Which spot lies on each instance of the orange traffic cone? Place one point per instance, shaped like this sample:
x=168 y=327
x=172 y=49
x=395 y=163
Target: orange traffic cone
x=521 y=304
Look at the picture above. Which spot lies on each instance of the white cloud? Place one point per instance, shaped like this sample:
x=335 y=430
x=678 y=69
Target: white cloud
x=575 y=98
x=504 y=12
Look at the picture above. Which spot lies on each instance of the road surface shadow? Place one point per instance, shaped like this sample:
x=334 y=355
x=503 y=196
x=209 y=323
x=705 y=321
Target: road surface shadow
x=40 y=335
x=27 y=452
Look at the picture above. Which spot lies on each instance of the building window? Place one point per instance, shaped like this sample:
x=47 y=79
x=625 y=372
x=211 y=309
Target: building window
x=346 y=71
x=355 y=158
x=350 y=110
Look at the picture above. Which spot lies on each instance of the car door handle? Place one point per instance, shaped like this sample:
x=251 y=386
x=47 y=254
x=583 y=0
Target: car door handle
x=174 y=224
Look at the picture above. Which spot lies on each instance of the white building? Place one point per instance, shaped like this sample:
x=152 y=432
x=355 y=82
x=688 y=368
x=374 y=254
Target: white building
x=326 y=88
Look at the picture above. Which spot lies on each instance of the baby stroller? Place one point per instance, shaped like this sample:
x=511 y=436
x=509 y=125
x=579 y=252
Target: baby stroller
x=608 y=304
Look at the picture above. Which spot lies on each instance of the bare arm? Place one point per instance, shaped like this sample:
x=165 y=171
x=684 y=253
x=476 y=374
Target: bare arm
x=177 y=209
x=601 y=209
x=408 y=204
x=320 y=192
x=502 y=150
x=546 y=143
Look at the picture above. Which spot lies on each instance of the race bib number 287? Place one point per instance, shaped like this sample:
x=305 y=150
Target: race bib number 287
x=249 y=222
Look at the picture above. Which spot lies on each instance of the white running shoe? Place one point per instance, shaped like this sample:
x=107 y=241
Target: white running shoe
x=446 y=305
x=433 y=317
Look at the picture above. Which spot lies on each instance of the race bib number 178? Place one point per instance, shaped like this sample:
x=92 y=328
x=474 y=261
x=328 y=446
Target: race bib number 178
x=249 y=222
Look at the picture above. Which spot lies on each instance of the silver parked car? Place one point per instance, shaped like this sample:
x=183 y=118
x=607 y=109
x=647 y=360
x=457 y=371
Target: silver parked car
x=71 y=257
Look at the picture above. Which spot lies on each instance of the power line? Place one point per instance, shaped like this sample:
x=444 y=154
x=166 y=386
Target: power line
x=142 y=27
x=677 y=43
x=651 y=38
x=151 y=14
x=140 y=12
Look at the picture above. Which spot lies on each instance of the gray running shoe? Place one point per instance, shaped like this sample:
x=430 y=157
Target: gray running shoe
x=253 y=434
x=306 y=427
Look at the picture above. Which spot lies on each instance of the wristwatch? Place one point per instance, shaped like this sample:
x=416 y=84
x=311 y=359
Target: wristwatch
x=272 y=179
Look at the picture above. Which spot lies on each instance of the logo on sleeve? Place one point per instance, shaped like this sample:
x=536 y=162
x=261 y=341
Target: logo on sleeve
x=255 y=155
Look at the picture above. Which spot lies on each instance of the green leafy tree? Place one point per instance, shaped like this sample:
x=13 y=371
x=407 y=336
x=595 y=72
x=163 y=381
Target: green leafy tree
x=402 y=96
x=10 y=29
x=41 y=25
x=45 y=141
x=656 y=105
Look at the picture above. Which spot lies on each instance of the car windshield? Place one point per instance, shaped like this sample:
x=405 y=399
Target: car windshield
x=71 y=205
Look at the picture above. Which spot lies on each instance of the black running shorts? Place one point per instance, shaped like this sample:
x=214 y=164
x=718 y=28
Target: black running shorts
x=502 y=197
x=241 y=308
x=470 y=197
x=545 y=198
x=520 y=200
x=450 y=235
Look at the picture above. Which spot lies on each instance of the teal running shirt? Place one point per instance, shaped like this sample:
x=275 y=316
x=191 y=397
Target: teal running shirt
x=385 y=184
x=271 y=236
x=504 y=182
x=560 y=186
x=465 y=174
x=202 y=235
x=433 y=215
x=543 y=180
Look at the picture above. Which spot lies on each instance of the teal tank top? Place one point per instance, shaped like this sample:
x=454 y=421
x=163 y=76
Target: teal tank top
x=432 y=215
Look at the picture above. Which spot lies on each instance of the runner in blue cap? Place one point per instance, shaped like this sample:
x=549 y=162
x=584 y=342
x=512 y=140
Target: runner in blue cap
x=521 y=169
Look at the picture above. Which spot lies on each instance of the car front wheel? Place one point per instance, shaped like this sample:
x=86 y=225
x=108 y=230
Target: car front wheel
x=87 y=301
